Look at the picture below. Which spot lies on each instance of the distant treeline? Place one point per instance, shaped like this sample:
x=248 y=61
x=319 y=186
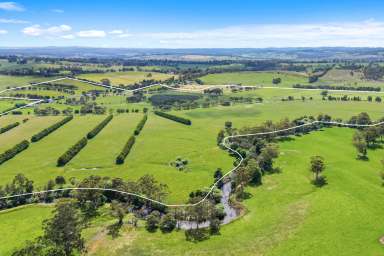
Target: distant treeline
x=338 y=87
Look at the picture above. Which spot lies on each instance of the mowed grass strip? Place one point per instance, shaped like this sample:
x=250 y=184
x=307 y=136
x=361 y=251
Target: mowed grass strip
x=102 y=151
x=39 y=163
x=21 y=224
x=25 y=130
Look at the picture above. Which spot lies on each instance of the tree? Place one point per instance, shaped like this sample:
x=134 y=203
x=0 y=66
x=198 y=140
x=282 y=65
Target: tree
x=276 y=80
x=153 y=221
x=363 y=118
x=360 y=144
x=228 y=125
x=60 y=180
x=105 y=81
x=217 y=176
x=64 y=229
x=254 y=171
x=371 y=134
x=167 y=223
x=214 y=226
x=90 y=200
x=62 y=234
x=317 y=166
x=220 y=137
x=265 y=159
x=118 y=211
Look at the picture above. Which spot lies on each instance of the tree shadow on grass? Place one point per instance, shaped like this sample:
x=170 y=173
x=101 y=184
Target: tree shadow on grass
x=375 y=146
x=114 y=229
x=363 y=158
x=320 y=182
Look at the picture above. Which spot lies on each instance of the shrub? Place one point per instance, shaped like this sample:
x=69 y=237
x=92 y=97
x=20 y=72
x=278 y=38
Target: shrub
x=174 y=118
x=140 y=125
x=9 y=127
x=72 y=152
x=10 y=153
x=52 y=128
x=99 y=127
x=127 y=148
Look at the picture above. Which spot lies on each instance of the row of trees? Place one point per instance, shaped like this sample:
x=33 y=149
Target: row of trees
x=38 y=136
x=72 y=152
x=174 y=118
x=99 y=127
x=9 y=127
x=125 y=151
x=131 y=141
x=140 y=125
x=338 y=87
x=10 y=153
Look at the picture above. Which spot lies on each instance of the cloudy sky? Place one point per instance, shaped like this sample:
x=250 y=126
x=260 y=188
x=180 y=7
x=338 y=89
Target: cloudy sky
x=192 y=24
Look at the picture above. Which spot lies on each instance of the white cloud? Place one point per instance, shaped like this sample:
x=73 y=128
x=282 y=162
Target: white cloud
x=124 y=35
x=116 y=32
x=13 y=21
x=37 y=30
x=3 y=32
x=57 y=10
x=366 y=33
x=11 y=6
x=70 y=36
x=91 y=33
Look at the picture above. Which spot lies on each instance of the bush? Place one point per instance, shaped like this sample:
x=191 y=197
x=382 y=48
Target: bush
x=10 y=153
x=127 y=148
x=168 y=223
x=8 y=127
x=140 y=125
x=174 y=118
x=72 y=152
x=99 y=127
x=50 y=129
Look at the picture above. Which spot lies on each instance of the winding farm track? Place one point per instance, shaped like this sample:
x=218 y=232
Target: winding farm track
x=224 y=142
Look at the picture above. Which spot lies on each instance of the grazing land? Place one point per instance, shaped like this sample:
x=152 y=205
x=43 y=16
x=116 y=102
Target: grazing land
x=176 y=159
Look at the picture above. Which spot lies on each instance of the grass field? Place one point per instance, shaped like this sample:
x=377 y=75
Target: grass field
x=14 y=81
x=256 y=78
x=126 y=78
x=281 y=215
x=21 y=224
x=289 y=216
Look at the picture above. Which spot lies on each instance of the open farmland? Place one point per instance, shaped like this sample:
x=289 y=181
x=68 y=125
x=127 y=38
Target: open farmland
x=126 y=78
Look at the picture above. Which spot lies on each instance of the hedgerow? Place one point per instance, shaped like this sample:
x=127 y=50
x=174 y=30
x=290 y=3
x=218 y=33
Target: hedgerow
x=127 y=148
x=52 y=128
x=140 y=125
x=9 y=127
x=99 y=127
x=10 y=153
x=174 y=118
x=72 y=152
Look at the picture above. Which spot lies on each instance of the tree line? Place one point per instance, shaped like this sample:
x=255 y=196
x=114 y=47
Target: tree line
x=9 y=127
x=38 y=136
x=173 y=117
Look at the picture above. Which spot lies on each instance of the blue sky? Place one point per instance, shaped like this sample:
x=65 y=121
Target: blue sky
x=191 y=24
